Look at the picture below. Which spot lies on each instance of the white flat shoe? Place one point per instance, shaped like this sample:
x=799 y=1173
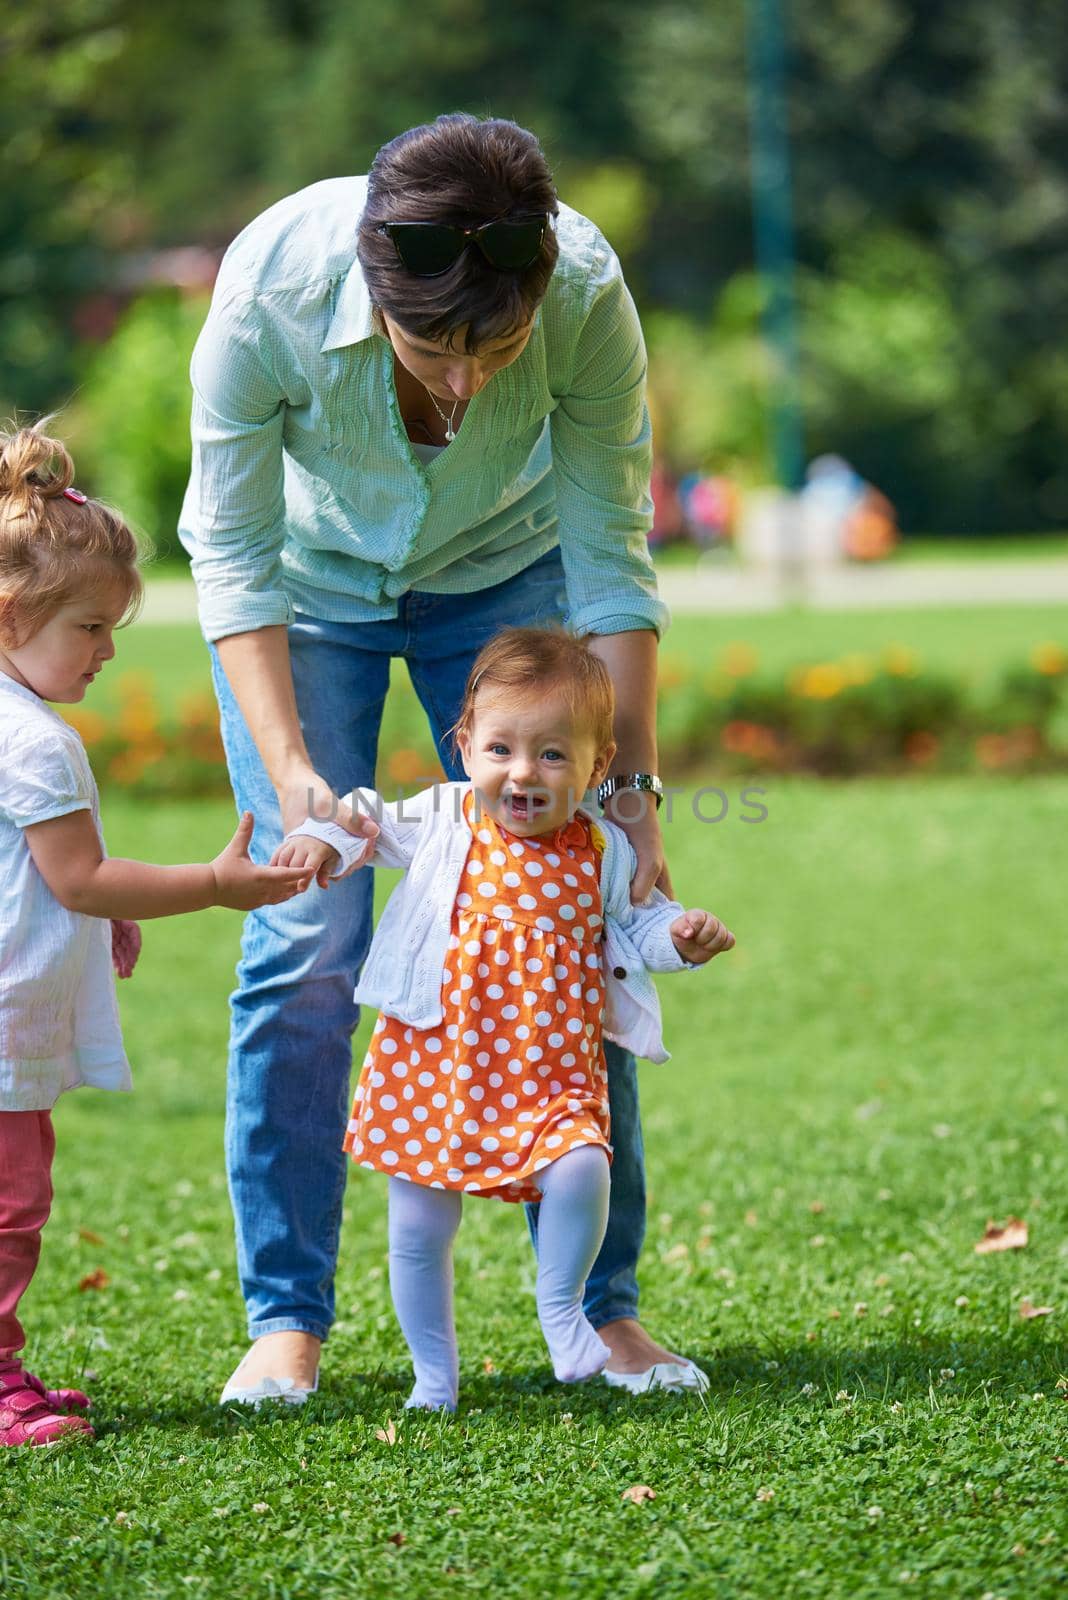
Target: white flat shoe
x=284 y=1389
x=674 y=1376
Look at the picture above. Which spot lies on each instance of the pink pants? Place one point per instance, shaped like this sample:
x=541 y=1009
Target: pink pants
x=27 y=1145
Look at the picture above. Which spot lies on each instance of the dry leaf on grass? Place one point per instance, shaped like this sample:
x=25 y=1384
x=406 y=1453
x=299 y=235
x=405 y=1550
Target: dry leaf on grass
x=1010 y=1235
x=637 y=1493
x=487 y=1366
x=397 y=1538
x=87 y=1236
x=388 y=1434
x=1027 y=1310
x=97 y=1279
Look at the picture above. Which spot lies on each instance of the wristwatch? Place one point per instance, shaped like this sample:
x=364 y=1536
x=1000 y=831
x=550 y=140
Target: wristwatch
x=647 y=782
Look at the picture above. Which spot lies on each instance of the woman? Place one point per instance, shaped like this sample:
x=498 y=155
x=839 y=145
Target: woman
x=418 y=417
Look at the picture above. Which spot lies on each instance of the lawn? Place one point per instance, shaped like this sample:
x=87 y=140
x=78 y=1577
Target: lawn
x=870 y=1075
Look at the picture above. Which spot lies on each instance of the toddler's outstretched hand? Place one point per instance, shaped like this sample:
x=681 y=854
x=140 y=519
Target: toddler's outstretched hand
x=243 y=885
x=698 y=936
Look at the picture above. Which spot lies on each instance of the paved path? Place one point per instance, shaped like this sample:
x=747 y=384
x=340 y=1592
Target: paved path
x=714 y=588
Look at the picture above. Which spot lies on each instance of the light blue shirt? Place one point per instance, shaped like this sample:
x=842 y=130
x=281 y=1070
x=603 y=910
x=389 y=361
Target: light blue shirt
x=306 y=494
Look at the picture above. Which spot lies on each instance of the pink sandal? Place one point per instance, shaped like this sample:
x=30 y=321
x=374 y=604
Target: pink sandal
x=32 y=1414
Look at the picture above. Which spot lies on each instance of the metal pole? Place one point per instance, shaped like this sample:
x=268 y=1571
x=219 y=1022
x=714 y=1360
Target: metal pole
x=773 y=234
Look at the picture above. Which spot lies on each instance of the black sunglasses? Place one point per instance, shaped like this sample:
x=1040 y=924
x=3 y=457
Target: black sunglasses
x=427 y=249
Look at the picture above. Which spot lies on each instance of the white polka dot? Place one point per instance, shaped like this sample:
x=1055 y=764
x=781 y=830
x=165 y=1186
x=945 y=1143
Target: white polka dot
x=483 y=1058
x=472 y=947
x=573 y=1024
x=510 y=1158
x=463 y=1072
x=401 y=1125
x=413 y=1147
x=377 y=1136
x=515 y=977
x=552 y=1141
x=593 y=959
x=470 y=1036
x=554 y=1087
x=501 y=1046
x=526 y=1138
x=477 y=1092
x=483 y=970
x=472 y=1158
x=432 y=1135
x=420 y=1113
x=509 y=1101
x=452 y=1031
x=388 y=1102
x=425 y=1168
x=534 y=868
x=568 y=913
x=488 y=1025
x=585 y=899
x=498 y=858
x=454 y=1174
x=570 y=880
x=486 y=890
x=455 y=1141
x=470 y=1126
x=528 y=903
x=545 y=924
x=516 y=848
x=529 y=1087
x=390 y=1158
x=438 y=1100
x=556 y=1040
x=426 y=1079
x=534 y=1052
x=494 y=992
x=522 y=1032
x=512 y=879
x=588 y=868
x=399 y=1069
x=388 y=1047
x=433 y=1044
x=543 y=1019
x=501 y=957
x=463 y=899
x=509 y=1013
x=593 y=995
x=495 y=1080
x=493 y=1172
x=490 y=1143
x=484 y=836
x=533 y=964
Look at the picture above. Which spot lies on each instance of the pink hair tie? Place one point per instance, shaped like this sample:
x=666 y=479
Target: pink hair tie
x=77 y=496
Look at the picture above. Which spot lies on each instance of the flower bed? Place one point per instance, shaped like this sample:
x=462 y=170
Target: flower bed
x=859 y=714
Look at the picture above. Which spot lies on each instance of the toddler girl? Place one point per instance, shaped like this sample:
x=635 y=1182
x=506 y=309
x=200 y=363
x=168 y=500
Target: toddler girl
x=68 y=578
x=507 y=950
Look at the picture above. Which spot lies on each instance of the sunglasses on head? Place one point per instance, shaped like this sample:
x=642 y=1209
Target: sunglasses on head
x=427 y=249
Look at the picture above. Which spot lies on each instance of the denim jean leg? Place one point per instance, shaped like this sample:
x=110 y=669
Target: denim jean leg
x=292 y=1015
x=445 y=635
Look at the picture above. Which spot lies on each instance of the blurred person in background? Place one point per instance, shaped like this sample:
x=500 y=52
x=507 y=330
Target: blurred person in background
x=419 y=417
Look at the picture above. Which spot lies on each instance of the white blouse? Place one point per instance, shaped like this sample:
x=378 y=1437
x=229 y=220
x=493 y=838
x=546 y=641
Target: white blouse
x=59 y=1020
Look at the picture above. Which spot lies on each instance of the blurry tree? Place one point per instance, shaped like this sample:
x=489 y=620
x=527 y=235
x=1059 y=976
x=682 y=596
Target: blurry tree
x=929 y=150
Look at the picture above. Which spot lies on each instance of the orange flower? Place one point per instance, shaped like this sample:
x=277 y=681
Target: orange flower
x=749 y=739
x=738 y=660
x=821 y=682
x=1049 y=659
x=89 y=724
x=410 y=766
x=672 y=672
x=992 y=750
x=900 y=661
x=922 y=747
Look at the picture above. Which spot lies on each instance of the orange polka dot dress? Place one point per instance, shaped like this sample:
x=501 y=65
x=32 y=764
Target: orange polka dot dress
x=515 y=1074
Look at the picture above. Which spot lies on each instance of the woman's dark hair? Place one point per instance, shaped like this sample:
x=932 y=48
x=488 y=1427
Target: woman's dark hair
x=465 y=171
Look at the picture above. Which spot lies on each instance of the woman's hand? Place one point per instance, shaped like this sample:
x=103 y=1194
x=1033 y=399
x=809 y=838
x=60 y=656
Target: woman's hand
x=635 y=812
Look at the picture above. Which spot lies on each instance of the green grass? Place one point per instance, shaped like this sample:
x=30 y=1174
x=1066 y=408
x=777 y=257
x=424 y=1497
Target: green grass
x=973 y=642
x=871 y=1074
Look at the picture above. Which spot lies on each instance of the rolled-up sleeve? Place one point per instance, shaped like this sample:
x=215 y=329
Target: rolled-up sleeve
x=233 y=517
x=602 y=456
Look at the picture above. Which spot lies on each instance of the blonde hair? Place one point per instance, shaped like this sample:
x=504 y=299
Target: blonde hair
x=539 y=661
x=52 y=546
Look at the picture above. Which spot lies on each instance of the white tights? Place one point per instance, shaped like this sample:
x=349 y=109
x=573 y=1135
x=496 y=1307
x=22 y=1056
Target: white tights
x=571 y=1225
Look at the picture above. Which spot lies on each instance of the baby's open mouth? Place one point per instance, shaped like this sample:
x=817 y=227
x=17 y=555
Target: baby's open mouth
x=524 y=806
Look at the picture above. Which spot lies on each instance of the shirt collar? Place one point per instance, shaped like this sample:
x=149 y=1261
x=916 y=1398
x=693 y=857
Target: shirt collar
x=353 y=319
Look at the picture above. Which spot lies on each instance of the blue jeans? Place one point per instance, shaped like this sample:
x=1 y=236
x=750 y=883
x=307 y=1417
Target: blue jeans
x=292 y=1015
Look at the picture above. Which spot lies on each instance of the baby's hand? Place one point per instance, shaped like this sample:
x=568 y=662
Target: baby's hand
x=242 y=885
x=698 y=936
x=319 y=857
x=125 y=946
